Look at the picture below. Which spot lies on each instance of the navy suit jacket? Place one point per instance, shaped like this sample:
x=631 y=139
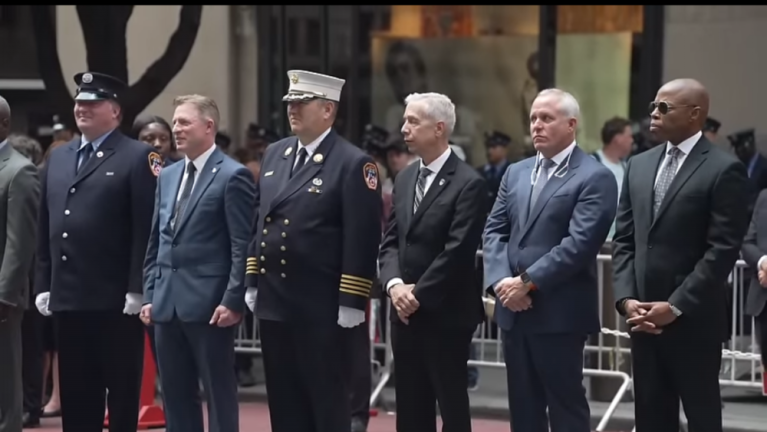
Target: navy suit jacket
x=200 y=265
x=556 y=243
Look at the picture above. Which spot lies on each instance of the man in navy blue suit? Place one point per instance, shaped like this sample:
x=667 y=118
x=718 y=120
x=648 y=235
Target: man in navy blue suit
x=551 y=217
x=194 y=271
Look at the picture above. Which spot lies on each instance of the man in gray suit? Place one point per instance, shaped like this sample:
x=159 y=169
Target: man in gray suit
x=194 y=271
x=19 y=201
x=550 y=219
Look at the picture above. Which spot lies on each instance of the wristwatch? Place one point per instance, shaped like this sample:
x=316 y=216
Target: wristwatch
x=527 y=281
x=675 y=310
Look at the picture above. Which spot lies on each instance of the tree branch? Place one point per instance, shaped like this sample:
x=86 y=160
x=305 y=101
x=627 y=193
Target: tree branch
x=48 y=61
x=161 y=72
x=104 y=29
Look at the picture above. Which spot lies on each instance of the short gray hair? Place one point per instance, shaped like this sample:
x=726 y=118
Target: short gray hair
x=437 y=107
x=568 y=105
x=28 y=147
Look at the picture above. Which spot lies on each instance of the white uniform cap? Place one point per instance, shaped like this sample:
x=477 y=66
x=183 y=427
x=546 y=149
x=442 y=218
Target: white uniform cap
x=309 y=85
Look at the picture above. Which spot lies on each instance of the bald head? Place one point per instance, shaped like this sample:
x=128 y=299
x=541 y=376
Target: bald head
x=680 y=110
x=5 y=119
x=689 y=92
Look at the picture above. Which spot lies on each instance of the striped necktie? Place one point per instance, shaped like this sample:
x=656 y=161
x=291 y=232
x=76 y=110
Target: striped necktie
x=420 y=187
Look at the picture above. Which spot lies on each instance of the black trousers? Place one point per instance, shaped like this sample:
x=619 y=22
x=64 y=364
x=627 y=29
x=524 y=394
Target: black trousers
x=33 y=356
x=99 y=352
x=359 y=382
x=431 y=370
x=244 y=362
x=681 y=363
x=303 y=364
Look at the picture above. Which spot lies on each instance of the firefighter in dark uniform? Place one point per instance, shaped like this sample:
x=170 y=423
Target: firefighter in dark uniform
x=95 y=218
x=313 y=259
x=497 y=145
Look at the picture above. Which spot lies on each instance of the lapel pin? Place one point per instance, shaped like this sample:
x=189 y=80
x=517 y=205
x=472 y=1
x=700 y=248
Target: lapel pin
x=215 y=169
x=288 y=151
x=317 y=158
x=100 y=154
x=317 y=182
x=441 y=182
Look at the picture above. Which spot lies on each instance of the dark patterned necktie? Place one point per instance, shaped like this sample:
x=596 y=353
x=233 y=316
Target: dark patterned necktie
x=666 y=177
x=420 y=187
x=183 y=200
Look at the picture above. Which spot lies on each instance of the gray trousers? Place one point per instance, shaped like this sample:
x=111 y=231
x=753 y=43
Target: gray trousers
x=11 y=390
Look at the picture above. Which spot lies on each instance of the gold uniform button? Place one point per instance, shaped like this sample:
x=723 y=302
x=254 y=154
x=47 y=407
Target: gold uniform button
x=263 y=271
x=283 y=248
x=283 y=262
x=283 y=275
x=287 y=222
x=263 y=244
x=263 y=258
x=268 y=219
x=284 y=235
x=265 y=231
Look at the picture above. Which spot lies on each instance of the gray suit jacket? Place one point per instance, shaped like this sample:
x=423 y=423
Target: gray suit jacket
x=19 y=202
x=199 y=265
x=556 y=243
x=755 y=247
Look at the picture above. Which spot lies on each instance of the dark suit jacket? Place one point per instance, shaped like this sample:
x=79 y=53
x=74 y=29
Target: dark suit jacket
x=757 y=182
x=755 y=247
x=93 y=225
x=685 y=254
x=199 y=265
x=493 y=180
x=435 y=247
x=316 y=234
x=556 y=243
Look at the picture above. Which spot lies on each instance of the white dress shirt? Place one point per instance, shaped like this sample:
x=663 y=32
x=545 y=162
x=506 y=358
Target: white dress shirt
x=199 y=164
x=434 y=168
x=685 y=147
x=311 y=147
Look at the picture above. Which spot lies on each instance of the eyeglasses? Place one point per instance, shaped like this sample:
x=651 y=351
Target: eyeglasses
x=664 y=107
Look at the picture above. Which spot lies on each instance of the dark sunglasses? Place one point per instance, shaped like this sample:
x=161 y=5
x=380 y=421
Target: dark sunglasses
x=664 y=107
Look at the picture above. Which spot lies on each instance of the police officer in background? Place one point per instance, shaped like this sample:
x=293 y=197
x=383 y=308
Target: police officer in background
x=312 y=262
x=711 y=129
x=497 y=145
x=95 y=219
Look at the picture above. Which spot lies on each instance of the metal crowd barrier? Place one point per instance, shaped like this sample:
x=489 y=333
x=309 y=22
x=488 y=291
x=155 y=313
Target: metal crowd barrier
x=607 y=355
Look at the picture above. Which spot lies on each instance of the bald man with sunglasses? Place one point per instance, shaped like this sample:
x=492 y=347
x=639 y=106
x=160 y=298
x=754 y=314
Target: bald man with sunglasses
x=681 y=220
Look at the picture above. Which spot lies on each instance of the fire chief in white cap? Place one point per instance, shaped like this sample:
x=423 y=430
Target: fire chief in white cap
x=312 y=259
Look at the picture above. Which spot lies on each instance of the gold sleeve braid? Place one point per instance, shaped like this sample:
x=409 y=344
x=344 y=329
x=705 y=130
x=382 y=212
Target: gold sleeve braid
x=355 y=285
x=251 y=266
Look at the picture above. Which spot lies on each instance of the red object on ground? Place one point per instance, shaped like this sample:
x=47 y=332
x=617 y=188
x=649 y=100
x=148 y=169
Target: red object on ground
x=150 y=415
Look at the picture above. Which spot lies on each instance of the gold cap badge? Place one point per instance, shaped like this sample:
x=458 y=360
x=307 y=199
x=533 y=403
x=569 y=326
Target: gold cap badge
x=294 y=79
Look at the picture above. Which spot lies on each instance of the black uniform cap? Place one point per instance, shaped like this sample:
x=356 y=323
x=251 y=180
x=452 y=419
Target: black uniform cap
x=742 y=138
x=258 y=132
x=94 y=86
x=495 y=138
x=712 y=125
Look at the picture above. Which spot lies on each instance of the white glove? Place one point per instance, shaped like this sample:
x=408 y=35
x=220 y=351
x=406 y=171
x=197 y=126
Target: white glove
x=250 y=298
x=350 y=317
x=132 y=304
x=41 y=302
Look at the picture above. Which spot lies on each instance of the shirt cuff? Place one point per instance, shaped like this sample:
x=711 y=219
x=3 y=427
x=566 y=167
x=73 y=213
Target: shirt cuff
x=392 y=282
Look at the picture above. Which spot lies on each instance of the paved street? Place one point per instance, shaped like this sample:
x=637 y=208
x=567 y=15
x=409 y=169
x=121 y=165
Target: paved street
x=255 y=418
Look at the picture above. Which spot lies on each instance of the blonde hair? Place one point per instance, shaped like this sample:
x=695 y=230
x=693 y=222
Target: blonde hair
x=205 y=105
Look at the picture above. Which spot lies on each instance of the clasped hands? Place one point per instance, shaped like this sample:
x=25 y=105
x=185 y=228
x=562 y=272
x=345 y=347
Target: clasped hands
x=513 y=294
x=222 y=316
x=763 y=274
x=404 y=301
x=648 y=317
